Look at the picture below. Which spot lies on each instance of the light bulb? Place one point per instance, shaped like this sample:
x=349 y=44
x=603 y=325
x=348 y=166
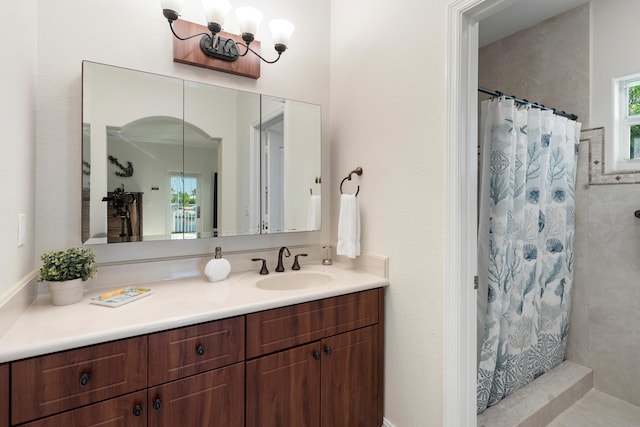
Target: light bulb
x=248 y=20
x=175 y=5
x=216 y=11
x=281 y=31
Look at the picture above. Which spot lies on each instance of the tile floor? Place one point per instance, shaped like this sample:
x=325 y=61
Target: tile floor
x=597 y=409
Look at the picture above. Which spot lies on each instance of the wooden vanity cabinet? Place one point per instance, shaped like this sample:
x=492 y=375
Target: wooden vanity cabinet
x=332 y=377
x=312 y=364
x=4 y=395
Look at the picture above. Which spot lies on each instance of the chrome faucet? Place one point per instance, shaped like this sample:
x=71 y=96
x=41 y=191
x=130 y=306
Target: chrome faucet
x=280 y=266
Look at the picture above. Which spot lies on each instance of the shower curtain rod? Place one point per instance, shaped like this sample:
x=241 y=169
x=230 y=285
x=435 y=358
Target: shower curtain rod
x=524 y=101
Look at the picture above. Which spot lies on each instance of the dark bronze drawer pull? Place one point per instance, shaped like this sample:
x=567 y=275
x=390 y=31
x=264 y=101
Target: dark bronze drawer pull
x=137 y=411
x=328 y=350
x=84 y=379
x=200 y=350
x=157 y=404
x=316 y=355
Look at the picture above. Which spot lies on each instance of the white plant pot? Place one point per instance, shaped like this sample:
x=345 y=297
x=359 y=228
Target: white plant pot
x=65 y=293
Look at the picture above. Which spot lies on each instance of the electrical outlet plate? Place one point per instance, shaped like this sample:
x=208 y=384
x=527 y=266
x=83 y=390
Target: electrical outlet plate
x=22 y=229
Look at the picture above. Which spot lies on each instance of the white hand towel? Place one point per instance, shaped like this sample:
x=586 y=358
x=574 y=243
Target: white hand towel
x=349 y=226
x=314 y=215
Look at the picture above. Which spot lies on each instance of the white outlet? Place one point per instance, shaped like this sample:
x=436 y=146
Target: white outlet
x=22 y=229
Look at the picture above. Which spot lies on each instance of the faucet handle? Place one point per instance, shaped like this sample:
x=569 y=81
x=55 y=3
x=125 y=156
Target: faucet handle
x=296 y=265
x=263 y=270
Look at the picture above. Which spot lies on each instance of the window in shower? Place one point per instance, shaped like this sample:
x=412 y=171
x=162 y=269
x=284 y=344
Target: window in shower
x=627 y=129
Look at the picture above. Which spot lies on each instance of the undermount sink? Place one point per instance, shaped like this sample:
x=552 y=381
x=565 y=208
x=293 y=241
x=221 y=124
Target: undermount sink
x=293 y=281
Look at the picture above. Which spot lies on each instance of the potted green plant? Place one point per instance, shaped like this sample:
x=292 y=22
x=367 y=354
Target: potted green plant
x=65 y=273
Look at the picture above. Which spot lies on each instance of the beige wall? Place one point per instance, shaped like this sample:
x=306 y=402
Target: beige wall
x=388 y=116
x=547 y=63
x=17 y=146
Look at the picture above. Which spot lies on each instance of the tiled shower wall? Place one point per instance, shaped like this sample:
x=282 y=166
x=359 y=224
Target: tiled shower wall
x=549 y=63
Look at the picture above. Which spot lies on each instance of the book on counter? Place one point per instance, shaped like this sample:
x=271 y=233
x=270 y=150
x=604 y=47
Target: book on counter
x=121 y=296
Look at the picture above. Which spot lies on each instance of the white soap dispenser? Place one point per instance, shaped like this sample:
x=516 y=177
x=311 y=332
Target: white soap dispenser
x=218 y=268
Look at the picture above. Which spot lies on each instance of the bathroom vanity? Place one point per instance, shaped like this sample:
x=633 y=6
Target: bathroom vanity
x=199 y=353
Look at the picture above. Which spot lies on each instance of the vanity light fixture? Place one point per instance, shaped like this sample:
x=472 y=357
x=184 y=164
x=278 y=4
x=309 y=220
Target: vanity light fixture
x=216 y=45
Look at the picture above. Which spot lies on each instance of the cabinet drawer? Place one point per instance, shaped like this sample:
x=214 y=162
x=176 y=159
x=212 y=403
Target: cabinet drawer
x=57 y=382
x=4 y=395
x=193 y=349
x=125 y=411
x=214 y=398
x=280 y=328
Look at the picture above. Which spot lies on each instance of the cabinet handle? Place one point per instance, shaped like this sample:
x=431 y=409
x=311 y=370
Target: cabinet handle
x=137 y=411
x=84 y=379
x=316 y=355
x=157 y=404
x=328 y=350
x=200 y=350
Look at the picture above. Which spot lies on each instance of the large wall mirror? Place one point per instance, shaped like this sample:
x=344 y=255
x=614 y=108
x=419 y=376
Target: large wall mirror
x=165 y=159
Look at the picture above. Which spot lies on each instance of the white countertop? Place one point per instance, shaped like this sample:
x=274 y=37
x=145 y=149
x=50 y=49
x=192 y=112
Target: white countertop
x=44 y=328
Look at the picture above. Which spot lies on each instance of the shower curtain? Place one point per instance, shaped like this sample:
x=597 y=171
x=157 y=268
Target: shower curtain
x=525 y=244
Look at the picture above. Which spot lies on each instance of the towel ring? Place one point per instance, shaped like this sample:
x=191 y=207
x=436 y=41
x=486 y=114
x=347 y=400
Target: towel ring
x=357 y=171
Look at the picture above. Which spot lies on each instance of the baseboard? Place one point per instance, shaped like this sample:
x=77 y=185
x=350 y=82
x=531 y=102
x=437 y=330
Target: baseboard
x=387 y=423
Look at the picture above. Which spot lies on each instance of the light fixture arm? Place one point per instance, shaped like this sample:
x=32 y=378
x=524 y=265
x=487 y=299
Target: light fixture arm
x=188 y=37
x=248 y=49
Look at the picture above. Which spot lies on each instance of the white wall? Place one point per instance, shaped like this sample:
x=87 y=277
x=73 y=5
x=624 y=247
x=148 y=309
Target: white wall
x=134 y=34
x=614 y=29
x=388 y=116
x=17 y=144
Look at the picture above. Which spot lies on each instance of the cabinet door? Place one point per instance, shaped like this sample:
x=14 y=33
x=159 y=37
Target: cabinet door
x=214 y=398
x=4 y=395
x=350 y=379
x=70 y=379
x=125 y=411
x=283 y=389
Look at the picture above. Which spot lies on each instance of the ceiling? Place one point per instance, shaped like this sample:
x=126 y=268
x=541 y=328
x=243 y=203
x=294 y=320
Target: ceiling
x=522 y=14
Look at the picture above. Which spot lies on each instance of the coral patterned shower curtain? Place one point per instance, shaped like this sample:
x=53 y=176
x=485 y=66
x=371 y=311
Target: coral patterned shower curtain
x=525 y=244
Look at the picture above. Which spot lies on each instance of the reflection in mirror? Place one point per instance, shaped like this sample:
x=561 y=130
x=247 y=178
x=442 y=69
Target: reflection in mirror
x=133 y=142
x=169 y=159
x=226 y=179
x=290 y=171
